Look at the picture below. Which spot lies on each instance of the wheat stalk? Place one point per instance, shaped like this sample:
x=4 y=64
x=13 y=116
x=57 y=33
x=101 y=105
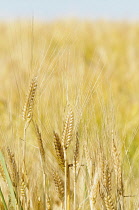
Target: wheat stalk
x=75 y=163
x=88 y=162
x=66 y=139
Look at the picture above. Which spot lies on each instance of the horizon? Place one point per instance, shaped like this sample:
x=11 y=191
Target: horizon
x=87 y=10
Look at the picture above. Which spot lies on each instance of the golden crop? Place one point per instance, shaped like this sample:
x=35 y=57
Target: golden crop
x=69 y=115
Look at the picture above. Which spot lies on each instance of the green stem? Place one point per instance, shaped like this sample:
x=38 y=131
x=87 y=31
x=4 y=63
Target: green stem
x=3 y=200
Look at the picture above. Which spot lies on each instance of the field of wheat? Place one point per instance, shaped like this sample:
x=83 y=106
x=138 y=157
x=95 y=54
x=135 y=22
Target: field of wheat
x=69 y=115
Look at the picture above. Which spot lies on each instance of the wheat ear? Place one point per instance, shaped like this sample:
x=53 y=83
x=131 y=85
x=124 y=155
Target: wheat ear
x=48 y=203
x=106 y=184
x=59 y=150
x=66 y=139
x=40 y=145
x=94 y=189
x=108 y=202
x=29 y=103
x=2 y=173
x=13 y=166
x=118 y=174
x=68 y=129
x=59 y=184
x=106 y=175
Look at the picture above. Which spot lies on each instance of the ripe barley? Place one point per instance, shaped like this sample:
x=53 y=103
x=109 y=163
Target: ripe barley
x=117 y=167
x=13 y=167
x=28 y=106
x=2 y=173
x=76 y=152
x=22 y=187
x=118 y=174
x=94 y=189
x=59 y=184
x=48 y=203
x=68 y=129
x=40 y=143
x=59 y=150
x=108 y=202
x=106 y=177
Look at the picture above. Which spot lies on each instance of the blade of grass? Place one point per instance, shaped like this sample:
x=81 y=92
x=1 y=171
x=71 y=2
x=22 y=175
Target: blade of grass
x=3 y=200
x=13 y=198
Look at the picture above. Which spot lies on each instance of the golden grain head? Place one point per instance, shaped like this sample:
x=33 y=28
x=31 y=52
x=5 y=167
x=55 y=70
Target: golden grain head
x=59 y=150
x=29 y=103
x=59 y=185
x=68 y=129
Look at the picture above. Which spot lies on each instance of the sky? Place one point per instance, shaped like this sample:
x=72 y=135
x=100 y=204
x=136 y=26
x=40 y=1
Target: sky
x=86 y=9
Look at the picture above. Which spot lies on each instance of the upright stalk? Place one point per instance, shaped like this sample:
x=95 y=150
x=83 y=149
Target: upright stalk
x=24 y=161
x=42 y=159
x=74 y=187
x=44 y=188
x=24 y=147
x=66 y=198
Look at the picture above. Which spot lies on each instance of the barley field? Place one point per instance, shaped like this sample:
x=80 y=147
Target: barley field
x=69 y=115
